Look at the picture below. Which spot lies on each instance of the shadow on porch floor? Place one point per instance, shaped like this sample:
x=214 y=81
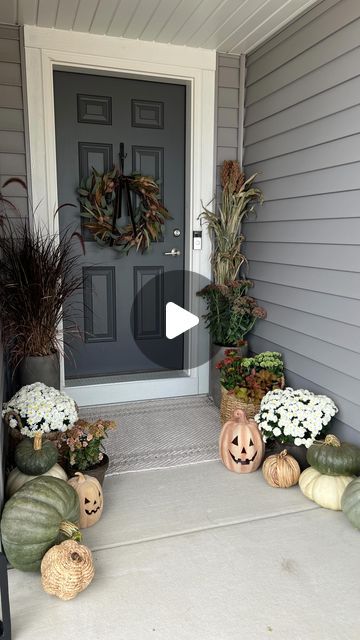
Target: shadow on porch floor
x=199 y=553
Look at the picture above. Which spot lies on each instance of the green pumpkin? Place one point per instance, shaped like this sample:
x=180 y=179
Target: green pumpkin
x=35 y=456
x=35 y=518
x=350 y=502
x=334 y=458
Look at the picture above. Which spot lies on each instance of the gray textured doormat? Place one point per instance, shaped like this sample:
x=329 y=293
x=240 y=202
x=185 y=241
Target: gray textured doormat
x=159 y=433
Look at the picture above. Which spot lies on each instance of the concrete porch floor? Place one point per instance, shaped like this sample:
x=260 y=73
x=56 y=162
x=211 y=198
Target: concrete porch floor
x=199 y=553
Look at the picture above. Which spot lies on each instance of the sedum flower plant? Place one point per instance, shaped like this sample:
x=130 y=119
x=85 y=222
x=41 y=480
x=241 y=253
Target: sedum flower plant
x=294 y=416
x=270 y=360
x=82 y=446
x=37 y=408
x=231 y=312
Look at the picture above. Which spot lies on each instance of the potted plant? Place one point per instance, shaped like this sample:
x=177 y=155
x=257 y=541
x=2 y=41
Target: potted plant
x=231 y=312
x=292 y=418
x=37 y=279
x=81 y=448
x=245 y=381
x=37 y=411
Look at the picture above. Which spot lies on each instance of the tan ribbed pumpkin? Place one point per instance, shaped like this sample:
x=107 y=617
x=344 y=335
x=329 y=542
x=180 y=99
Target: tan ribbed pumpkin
x=281 y=470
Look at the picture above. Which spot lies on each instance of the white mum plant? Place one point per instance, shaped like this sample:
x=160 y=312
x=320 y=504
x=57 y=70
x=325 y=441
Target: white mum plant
x=41 y=409
x=294 y=416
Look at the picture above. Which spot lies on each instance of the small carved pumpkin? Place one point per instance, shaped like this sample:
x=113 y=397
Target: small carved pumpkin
x=240 y=444
x=91 y=498
x=281 y=470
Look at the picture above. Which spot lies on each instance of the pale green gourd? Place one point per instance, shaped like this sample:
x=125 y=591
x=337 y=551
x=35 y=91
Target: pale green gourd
x=325 y=490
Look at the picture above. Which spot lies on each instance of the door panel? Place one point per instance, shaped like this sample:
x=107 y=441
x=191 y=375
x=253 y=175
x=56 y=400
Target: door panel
x=99 y=304
x=93 y=115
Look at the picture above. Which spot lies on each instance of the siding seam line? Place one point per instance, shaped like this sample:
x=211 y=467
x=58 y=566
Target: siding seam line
x=290 y=286
x=310 y=195
x=317 y=315
x=311 y=146
x=309 y=335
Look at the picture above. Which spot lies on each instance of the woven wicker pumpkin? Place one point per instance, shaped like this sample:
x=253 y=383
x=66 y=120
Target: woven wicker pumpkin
x=67 y=569
x=281 y=470
x=230 y=403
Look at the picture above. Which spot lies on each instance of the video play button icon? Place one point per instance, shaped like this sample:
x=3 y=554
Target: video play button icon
x=160 y=321
x=178 y=320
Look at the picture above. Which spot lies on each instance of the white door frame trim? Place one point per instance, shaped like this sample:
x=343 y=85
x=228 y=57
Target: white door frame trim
x=47 y=49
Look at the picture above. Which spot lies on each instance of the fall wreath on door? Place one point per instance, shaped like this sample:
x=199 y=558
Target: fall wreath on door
x=101 y=196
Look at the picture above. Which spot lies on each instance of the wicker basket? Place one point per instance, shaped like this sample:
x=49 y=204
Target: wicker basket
x=229 y=404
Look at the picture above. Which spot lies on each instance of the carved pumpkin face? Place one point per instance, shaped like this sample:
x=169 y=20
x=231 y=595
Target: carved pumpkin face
x=241 y=445
x=91 y=499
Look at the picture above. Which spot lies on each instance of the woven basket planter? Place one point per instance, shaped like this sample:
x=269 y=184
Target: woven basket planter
x=16 y=434
x=229 y=404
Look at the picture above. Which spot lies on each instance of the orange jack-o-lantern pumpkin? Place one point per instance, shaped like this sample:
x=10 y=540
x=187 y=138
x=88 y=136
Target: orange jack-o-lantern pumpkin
x=91 y=498
x=241 y=445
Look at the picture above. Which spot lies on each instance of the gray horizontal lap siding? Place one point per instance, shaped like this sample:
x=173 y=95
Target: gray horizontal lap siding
x=302 y=134
x=12 y=149
x=12 y=137
x=228 y=111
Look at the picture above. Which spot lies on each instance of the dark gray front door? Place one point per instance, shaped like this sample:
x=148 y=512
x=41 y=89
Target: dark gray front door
x=94 y=114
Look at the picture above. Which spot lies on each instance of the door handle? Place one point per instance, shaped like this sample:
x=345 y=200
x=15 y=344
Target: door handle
x=174 y=252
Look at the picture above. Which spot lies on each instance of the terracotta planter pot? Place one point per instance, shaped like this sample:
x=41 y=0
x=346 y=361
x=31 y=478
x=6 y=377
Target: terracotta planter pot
x=98 y=471
x=44 y=369
x=217 y=354
x=297 y=452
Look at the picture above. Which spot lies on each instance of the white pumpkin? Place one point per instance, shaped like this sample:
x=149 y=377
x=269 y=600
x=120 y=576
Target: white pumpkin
x=325 y=490
x=17 y=479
